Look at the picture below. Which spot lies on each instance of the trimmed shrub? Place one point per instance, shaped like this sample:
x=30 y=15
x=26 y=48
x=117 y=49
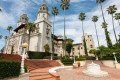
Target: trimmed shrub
x=80 y=59
x=107 y=58
x=90 y=58
x=67 y=61
x=10 y=68
x=49 y=57
x=38 y=55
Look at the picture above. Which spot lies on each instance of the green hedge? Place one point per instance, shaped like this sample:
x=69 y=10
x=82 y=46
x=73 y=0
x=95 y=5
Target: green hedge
x=107 y=58
x=80 y=59
x=67 y=61
x=90 y=58
x=49 y=57
x=38 y=55
x=10 y=68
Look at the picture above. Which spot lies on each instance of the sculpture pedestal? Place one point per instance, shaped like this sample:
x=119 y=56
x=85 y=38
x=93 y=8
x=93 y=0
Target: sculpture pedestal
x=95 y=71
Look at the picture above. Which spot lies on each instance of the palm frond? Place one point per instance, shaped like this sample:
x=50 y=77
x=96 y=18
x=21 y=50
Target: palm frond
x=117 y=16
x=94 y=18
x=82 y=16
x=104 y=25
x=65 y=4
x=111 y=9
x=55 y=11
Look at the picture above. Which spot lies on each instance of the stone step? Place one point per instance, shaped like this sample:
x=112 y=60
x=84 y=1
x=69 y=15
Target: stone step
x=35 y=64
x=47 y=77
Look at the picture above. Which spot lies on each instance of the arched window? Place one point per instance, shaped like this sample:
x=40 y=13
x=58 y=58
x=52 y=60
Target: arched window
x=91 y=46
x=44 y=8
x=81 y=47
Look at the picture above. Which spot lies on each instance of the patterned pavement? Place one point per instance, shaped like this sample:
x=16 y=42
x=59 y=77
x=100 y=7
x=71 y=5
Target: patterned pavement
x=76 y=74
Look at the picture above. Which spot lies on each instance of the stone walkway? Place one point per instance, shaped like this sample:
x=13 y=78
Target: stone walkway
x=77 y=74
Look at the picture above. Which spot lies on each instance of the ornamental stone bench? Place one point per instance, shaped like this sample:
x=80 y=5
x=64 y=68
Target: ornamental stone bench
x=53 y=71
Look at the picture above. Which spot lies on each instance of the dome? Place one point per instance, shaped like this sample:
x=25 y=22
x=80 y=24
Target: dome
x=43 y=7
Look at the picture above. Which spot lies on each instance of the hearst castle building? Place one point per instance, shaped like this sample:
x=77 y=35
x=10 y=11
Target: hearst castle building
x=41 y=36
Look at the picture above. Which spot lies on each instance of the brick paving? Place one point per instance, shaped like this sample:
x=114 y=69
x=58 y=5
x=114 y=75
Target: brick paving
x=76 y=74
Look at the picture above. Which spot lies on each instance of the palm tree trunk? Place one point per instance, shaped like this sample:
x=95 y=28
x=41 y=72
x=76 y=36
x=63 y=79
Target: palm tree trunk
x=114 y=28
x=64 y=33
x=53 y=36
x=109 y=43
x=83 y=29
x=97 y=35
x=118 y=22
x=84 y=41
x=102 y=12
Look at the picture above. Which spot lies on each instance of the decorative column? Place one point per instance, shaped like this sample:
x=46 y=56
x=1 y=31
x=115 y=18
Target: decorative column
x=24 y=45
x=115 y=58
x=117 y=65
x=74 y=64
x=74 y=57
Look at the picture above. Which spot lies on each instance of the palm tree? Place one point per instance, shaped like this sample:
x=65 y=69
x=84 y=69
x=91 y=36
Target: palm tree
x=95 y=19
x=65 y=6
x=100 y=2
x=0 y=10
x=117 y=17
x=1 y=36
x=82 y=18
x=104 y=25
x=5 y=38
x=55 y=13
x=111 y=10
x=9 y=28
x=109 y=43
x=31 y=28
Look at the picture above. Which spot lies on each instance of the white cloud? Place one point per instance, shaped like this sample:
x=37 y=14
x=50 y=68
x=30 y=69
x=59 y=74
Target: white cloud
x=6 y=20
x=72 y=22
x=76 y=0
x=79 y=0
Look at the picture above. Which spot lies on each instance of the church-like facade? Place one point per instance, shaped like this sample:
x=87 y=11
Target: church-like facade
x=40 y=37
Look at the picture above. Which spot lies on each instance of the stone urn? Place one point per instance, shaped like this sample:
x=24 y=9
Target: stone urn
x=78 y=63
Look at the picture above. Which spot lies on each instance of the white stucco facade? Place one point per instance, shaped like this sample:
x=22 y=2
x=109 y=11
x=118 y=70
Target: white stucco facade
x=38 y=38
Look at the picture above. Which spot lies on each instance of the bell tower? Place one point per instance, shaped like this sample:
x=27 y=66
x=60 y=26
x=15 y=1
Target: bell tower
x=44 y=26
x=43 y=12
x=23 y=20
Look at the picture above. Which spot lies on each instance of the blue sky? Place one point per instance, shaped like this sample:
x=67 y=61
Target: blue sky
x=13 y=9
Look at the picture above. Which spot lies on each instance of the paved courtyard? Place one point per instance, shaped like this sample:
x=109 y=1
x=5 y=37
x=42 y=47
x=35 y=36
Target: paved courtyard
x=77 y=74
